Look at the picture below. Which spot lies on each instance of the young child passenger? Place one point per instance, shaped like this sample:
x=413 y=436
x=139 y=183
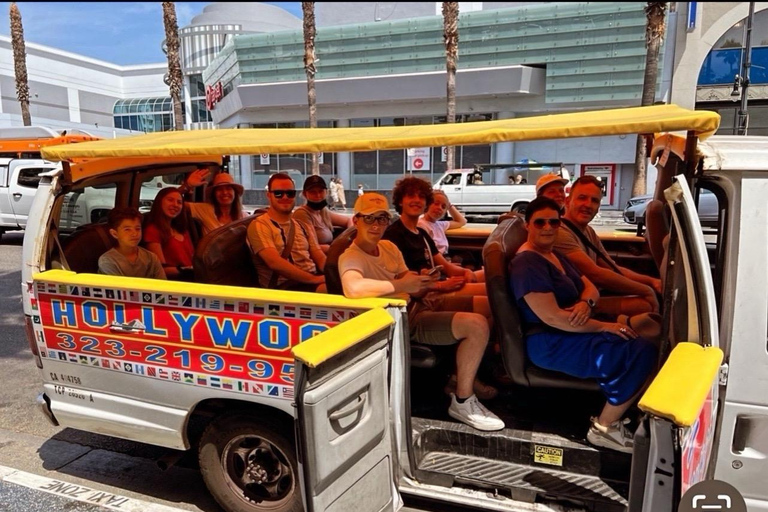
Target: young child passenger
x=127 y=258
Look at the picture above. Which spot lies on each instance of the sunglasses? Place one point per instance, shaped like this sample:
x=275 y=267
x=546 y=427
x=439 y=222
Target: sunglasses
x=381 y=220
x=540 y=223
x=280 y=193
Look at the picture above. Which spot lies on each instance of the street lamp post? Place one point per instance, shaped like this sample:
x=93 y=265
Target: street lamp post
x=742 y=118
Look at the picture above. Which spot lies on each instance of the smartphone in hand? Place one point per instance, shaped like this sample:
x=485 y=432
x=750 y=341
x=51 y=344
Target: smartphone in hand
x=435 y=271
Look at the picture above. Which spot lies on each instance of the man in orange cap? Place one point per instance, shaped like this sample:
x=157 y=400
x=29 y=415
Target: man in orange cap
x=372 y=267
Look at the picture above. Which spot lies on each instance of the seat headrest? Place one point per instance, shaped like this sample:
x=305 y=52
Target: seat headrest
x=223 y=256
x=507 y=238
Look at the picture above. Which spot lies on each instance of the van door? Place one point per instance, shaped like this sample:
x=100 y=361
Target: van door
x=693 y=315
x=344 y=418
x=703 y=328
x=24 y=178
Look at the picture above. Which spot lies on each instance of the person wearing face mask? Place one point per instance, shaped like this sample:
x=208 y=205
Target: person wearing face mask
x=317 y=214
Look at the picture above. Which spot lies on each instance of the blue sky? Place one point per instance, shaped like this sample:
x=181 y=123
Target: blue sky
x=124 y=33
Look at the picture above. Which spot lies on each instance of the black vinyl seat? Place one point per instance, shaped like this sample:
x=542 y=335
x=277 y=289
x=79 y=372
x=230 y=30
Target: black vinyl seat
x=84 y=247
x=499 y=249
x=223 y=256
x=422 y=356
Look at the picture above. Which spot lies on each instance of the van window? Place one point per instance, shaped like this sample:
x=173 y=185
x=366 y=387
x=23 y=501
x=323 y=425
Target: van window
x=86 y=206
x=30 y=177
x=151 y=185
x=711 y=206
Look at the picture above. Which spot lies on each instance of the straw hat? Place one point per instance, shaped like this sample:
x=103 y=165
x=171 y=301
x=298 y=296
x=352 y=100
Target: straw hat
x=225 y=180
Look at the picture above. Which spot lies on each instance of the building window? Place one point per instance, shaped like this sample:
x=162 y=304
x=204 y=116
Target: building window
x=144 y=114
x=758 y=119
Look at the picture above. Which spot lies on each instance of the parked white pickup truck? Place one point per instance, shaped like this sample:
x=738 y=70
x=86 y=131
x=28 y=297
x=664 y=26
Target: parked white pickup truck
x=475 y=190
x=19 y=179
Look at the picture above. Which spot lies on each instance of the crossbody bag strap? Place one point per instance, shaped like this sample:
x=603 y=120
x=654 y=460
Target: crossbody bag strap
x=285 y=255
x=589 y=245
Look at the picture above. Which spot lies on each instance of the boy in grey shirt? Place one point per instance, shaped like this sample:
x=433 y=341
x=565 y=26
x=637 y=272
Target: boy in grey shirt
x=127 y=258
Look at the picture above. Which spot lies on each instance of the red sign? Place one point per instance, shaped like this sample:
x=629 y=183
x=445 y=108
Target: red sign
x=697 y=445
x=418 y=163
x=213 y=95
x=237 y=345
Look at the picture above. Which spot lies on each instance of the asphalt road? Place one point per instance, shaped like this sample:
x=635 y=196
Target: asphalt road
x=81 y=468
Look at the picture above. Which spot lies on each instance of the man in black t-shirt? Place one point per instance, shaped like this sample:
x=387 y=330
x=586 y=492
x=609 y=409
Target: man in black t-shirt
x=411 y=197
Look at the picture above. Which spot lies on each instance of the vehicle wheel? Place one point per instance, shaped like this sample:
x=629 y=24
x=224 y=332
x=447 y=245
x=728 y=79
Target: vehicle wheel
x=519 y=208
x=249 y=466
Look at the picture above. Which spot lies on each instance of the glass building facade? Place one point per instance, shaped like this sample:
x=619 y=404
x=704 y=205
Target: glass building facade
x=144 y=114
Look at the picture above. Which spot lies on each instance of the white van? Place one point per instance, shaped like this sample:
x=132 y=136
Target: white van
x=231 y=370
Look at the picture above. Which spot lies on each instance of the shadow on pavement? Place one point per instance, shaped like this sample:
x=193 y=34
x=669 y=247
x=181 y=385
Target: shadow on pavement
x=127 y=466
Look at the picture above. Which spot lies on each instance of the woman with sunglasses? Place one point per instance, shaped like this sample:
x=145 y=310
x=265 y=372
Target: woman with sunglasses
x=555 y=303
x=166 y=234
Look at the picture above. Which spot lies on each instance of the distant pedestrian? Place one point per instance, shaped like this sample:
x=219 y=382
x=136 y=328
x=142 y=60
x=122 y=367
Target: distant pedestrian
x=334 y=194
x=341 y=194
x=359 y=189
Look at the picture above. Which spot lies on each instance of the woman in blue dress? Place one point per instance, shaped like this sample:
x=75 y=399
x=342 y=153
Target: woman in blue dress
x=555 y=303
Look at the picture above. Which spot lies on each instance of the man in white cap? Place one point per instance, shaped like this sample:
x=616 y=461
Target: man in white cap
x=372 y=267
x=552 y=186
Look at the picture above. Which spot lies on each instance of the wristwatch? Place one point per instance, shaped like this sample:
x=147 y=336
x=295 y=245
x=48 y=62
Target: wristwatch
x=592 y=304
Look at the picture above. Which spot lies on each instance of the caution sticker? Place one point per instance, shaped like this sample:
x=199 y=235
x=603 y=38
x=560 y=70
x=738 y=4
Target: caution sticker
x=547 y=455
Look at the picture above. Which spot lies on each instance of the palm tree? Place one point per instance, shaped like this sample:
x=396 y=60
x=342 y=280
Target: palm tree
x=654 y=34
x=174 y=78
x=20 y=63
x=451 y=39
x=308 y=10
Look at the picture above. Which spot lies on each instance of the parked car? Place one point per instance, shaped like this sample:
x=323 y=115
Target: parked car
x=634 y=212
x=473 y=191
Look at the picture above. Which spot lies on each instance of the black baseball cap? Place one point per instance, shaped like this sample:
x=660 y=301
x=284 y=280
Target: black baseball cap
x=314 y=181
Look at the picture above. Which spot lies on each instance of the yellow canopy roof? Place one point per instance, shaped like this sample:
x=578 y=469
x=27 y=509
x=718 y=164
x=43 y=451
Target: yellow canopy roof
x=251 y=141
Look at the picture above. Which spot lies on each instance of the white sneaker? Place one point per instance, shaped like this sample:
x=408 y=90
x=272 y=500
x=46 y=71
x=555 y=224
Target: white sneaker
x=614 y=437
x=474 y=414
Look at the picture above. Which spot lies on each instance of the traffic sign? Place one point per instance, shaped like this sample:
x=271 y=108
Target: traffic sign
x=265 y=159
x=418 y=159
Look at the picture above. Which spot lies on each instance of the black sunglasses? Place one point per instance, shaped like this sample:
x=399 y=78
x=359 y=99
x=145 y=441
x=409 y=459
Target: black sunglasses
x=279 y=193
x=540 y=223
x=381 y=220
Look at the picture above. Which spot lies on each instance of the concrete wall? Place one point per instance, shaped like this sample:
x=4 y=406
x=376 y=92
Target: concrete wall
x=96 y=108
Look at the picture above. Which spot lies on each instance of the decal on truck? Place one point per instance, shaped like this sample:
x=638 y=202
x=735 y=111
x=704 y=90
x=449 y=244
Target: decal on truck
x=236 y=345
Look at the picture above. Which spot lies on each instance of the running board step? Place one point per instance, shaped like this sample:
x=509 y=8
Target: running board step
x=521 y=446
x=526 y=483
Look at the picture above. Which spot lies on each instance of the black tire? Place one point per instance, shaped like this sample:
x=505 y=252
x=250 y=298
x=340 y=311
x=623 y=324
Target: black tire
x=236 y=452
x=519 y=208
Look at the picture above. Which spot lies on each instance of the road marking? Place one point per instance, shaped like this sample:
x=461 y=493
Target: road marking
x=80 y=492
